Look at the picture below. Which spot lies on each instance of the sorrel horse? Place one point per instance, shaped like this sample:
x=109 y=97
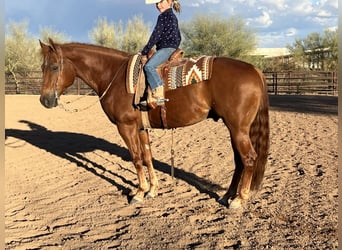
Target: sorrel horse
x=236 y=93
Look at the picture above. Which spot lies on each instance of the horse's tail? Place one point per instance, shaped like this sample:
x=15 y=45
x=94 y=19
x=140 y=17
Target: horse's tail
x=260 y=136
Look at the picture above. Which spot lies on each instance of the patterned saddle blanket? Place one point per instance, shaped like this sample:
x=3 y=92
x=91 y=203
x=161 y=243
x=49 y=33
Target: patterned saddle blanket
x=175 y=73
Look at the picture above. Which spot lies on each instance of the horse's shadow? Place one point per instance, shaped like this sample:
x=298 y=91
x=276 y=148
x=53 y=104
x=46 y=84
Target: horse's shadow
x=71 y=146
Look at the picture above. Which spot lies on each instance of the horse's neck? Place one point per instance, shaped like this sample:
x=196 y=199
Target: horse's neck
x=96 y=67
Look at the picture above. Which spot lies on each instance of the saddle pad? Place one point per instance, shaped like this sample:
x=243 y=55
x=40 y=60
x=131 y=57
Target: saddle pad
x=132 y=74
x=191 y=72
x=186 y=72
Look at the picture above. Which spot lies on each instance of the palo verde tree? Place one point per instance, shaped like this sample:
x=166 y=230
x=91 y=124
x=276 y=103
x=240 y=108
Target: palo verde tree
x=218 y=36
x=136 y=35
x=106 y=33
x=132 y=38
x=48 y=32
x=22 y=50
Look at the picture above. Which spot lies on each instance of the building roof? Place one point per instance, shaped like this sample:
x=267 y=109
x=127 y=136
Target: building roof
x=270 y=52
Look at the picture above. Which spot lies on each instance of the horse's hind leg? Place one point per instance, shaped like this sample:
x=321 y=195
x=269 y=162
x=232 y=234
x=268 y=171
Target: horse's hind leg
x=233 y=188
x=248 y=156
x=245 y=157
x=147 y=156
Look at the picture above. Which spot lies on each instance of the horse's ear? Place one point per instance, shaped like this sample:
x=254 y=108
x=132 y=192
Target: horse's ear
x=45 y=48
x=53 y=45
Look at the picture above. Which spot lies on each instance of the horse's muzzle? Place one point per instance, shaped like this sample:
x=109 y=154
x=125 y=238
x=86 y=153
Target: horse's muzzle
x=49 y=101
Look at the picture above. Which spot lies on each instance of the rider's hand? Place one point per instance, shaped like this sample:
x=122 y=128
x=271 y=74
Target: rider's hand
x=143 y=59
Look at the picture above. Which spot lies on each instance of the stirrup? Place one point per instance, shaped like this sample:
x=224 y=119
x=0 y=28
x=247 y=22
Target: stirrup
x=155 y=98
x=161 y=101
x=155 y=102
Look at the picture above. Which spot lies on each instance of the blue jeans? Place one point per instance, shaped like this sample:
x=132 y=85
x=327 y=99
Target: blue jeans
x=150 y=68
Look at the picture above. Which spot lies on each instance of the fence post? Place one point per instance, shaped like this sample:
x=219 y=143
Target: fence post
x=334 y=82
x=276 y=83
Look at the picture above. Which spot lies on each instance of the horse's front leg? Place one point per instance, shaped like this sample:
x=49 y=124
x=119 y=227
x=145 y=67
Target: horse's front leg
x=130 y=135
x=147 y=154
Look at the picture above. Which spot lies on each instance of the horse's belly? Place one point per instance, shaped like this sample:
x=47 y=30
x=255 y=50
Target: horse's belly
x=179 y=114
x=186 y=117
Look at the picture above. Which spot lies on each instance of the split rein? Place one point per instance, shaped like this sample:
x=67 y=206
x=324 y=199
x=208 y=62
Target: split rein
x=62 y=106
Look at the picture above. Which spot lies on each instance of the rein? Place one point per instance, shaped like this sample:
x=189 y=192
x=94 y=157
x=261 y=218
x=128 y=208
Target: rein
x=111 y=82
x=89 y=106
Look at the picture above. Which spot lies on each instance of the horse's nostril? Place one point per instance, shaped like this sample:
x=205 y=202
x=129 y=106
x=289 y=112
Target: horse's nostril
x=48 y=102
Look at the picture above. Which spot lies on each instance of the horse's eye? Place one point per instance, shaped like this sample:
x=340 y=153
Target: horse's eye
x=54 y=67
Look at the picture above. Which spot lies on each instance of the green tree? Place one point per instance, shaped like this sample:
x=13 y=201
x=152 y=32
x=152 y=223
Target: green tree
x=316 y=51
x=219 y=36
x=265 y=64
x=297 y=51
x=330 y=40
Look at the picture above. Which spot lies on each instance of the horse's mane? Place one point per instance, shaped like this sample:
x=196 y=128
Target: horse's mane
x=95 y=48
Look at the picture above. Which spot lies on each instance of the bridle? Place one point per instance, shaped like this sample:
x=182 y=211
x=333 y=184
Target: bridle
x=60 y=70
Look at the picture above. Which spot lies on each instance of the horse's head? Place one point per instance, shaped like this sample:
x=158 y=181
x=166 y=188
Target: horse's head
x=58 y=74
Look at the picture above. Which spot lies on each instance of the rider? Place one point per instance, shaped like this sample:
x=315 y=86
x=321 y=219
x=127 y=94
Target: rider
x=166 y=37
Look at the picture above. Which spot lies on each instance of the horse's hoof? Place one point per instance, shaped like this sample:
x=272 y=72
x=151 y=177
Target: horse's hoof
x=235 y=204
x=133 y=193
x=223 y=201
x=150 y=195
x=135 y=200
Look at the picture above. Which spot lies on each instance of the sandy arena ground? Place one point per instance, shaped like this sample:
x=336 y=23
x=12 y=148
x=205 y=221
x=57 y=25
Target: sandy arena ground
x=68 y=176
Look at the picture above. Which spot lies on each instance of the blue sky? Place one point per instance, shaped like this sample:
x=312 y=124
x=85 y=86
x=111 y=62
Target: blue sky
x=276 y=22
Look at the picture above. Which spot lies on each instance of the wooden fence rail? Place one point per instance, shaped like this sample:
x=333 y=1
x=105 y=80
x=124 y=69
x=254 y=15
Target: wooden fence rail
x=300 y=83
x=30 y=83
